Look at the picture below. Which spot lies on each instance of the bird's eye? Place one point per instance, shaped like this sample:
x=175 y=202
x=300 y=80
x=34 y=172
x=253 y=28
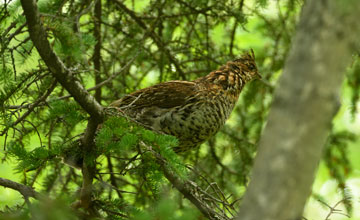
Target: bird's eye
x=252 y=66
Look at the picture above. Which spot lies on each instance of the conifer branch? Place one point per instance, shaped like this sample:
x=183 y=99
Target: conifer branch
x=74 y=87
x=63 y=75
x=97 y=86
x=185 y=187
x=31 y=108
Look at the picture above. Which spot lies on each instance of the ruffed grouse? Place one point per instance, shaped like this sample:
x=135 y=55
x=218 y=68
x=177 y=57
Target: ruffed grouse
x=192 y=111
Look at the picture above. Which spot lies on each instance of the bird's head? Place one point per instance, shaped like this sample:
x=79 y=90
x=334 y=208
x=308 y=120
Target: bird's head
x=246 y=63
x=235 y=74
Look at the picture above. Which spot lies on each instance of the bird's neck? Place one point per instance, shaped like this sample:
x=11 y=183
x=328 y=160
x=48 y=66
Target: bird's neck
x=230 y=78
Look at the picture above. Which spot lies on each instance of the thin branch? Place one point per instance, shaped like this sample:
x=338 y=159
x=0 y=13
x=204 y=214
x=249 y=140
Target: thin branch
x=112 y=176
x=97 y=49
x=153 y=36
x=56 y=66
x=26 y=191
x=233 y=31
x=333 y=209
x=31 y=108
x=88 y=167
x=185 y=187
x=15 y=89
x=108 y=80
x=217 y=159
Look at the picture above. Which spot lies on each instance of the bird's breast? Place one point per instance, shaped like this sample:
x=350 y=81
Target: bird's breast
x=196 y=122
x=193 y=122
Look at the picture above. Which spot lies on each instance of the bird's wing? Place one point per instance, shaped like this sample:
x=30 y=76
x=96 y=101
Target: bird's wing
x=164 y=95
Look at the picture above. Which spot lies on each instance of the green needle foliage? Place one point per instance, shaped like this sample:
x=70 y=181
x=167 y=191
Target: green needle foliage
x=136 y=44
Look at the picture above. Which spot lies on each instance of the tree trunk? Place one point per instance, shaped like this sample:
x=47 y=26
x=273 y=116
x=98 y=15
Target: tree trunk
x=304 y=105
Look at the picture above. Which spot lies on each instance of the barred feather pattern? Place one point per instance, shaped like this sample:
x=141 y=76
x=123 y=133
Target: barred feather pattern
x=192 y=111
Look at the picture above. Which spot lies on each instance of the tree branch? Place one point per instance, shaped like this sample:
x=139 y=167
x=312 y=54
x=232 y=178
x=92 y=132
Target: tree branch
x=26 y=191
x=185 y=187
x=88 y=168
x=97 y=49
x=53 y=62
x=304 y=105
x=106 y=81
x=69 y=82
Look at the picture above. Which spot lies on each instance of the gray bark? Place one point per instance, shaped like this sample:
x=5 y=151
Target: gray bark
x=304 y=105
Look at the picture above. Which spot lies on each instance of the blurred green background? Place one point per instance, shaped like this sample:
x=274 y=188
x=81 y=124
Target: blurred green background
x=200 y=41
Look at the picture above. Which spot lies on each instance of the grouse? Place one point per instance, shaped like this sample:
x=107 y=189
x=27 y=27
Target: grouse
x=192 y=111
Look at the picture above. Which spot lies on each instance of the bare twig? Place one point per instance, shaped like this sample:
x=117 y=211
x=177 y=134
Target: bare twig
x=333 y=209
x=153 y=36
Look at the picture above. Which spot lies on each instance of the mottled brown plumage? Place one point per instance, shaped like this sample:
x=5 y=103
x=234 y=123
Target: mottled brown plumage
x=192 y=111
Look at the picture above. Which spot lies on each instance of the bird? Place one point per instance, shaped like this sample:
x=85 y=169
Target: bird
x=192 y=111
